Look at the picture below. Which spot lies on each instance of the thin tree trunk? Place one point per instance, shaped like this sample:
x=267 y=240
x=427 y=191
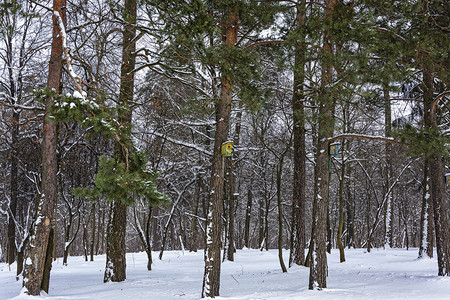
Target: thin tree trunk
x=233 y=188
x=280 y=218
x=11 y=250
x=194 y=223
x=389 y=216
x=231 y=210
x=341 y=209
x=350 y=214
x=148 y=244
x=423 y=234
x=34 y=271
x=94 y=214
x=248 y=212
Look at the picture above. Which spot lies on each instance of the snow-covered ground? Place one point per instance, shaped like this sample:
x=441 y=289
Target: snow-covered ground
x=381 y=274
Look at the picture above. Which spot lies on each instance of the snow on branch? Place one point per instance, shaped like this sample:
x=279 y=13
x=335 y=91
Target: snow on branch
x=365 y=137
x=76 y=79
x=178 y=142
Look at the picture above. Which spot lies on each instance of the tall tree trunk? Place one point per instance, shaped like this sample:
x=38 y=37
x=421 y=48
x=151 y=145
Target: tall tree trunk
x=211 y=278
x=438 y=189
x=423 y=234
x=234 y=195
x=389 y=209
x=297 y=255
x=94 y=215
x=341 y=208
x=12 y=249
x=34 y=270
x=115 y=243
x=318 y=266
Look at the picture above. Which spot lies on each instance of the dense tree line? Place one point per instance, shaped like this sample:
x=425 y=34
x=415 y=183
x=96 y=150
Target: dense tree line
x=115 y=114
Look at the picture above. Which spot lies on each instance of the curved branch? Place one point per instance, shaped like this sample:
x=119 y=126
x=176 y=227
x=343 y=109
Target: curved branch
x=439 y=97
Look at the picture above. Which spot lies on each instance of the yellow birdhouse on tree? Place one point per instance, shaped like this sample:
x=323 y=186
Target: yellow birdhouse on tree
x=227 y=148
x=335 y=149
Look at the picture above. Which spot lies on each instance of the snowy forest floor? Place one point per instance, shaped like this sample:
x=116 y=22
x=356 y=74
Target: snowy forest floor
x=380 y=274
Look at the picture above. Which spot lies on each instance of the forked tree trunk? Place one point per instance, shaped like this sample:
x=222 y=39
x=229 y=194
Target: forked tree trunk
x=33 y=276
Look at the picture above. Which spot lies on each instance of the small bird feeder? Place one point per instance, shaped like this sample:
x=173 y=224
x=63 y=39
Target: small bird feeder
x=335 y=149
x=447 y=178
x=227 y=148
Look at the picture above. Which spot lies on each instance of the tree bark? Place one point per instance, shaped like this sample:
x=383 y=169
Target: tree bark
x=115 y=244
x=318 y=266
x=437 y=184
x=211 y=278
x=297 y=255
x=115 y=269
x=423 y=234
x=34 y=271
x=234 y=195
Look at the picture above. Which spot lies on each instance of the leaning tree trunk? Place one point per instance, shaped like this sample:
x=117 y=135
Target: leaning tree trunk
x=115 y=243
x=318 y=265
x=211 y=278
x=33 y=277
x=297 y=255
